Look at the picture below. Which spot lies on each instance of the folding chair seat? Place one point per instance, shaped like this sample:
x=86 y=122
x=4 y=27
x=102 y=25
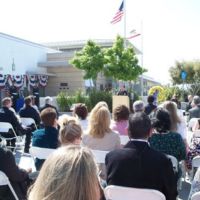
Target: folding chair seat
x=40 y=153
x=5 y=181
x=26 y=121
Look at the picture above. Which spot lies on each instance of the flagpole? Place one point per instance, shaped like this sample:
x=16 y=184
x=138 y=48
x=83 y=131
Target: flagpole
x=124 y=23
x=142 y=85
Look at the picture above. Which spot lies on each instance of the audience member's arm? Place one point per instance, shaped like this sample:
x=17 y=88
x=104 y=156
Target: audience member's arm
x=13 y=172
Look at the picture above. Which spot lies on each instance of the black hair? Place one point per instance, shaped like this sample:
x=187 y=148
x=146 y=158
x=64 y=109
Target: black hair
x=139 y=125
x=161 y=122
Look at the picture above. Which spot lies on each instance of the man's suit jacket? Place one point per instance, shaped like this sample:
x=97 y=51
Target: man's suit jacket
x=17 y=176
x=139 y=166
x=31 y=112
x=194 y=112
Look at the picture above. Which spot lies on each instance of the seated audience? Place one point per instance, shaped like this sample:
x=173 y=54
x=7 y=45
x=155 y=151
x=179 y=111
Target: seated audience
x=33 y=98
x=82 y=113
x=120 y=123
x=164 y=140
x=29 y=111
x=48 y=136
x=48 y=104
x=69 y=173
x=18 y=177
x=70 y=132
x=194 y=112
x=138 y=106
x=7 y=115
x=138 y=165
x=150 y=107
x=178 y=124
x=99 y=135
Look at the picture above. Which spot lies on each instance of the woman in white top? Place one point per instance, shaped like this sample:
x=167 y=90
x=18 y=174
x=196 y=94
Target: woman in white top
x=82 y=113
x=177 y=124
x=99 y=135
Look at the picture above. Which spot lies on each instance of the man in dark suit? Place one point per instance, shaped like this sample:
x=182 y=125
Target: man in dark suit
x=8 y=115
x=138 y=165
x=194 y=112
x=18 y=177
x=150 y=106
x=29 y=111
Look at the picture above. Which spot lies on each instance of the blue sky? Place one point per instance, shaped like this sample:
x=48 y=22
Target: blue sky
x=170 y=31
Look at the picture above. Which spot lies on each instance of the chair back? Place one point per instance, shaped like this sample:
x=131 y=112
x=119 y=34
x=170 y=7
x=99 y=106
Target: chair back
x=5 y=181
x=113 y=192
x=41 y=153
x=4 y=128
x=27 y=121
x=99 y=156
x=196 y=133
x=192 y=122
x=124 y=139
x=195 y=196
x=174 y=162
x=196 y=161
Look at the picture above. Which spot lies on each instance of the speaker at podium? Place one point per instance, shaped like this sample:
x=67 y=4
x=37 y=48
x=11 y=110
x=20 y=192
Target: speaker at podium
x=120 y=100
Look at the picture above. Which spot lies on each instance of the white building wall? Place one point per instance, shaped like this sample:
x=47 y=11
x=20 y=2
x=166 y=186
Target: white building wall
x=25 y=54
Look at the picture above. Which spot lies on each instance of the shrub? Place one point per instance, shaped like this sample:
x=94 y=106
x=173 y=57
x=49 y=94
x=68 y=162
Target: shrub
x=95 y=96
x=63 y=101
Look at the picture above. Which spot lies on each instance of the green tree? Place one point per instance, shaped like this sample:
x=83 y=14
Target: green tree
x=121 y=62
x=90 y=59
x=192 y=81
x=116 y=62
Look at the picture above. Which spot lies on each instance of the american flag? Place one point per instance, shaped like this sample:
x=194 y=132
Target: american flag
x=119 y=14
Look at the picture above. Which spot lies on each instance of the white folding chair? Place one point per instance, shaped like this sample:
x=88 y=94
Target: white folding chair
x=99 y=156
x=5 y=181
x=196 y=133
x=26 y=121
x=40 y=153
x=192 y=122
x=113 y=192
x=124 y=139
x=174 y=162
x=4 y=128
x=195 y=196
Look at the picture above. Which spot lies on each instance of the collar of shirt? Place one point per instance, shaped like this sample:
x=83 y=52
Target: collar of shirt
x=140 y=140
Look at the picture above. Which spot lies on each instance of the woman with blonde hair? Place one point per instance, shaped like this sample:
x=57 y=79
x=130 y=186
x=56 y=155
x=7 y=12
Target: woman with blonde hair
x=70 y=131
x=69 y=173
x=99 y=135
x=178 y=124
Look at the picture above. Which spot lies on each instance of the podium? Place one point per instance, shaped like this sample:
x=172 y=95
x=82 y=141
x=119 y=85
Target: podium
x=120 y=100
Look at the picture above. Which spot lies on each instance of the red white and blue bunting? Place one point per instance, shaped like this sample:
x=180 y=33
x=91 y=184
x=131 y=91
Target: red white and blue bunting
x=18 y=80
x=43 y=79
x=32 y=80
x=22 y=80
x=3 y=80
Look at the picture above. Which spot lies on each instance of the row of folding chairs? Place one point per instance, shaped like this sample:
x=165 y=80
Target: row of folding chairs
x=112 y=192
